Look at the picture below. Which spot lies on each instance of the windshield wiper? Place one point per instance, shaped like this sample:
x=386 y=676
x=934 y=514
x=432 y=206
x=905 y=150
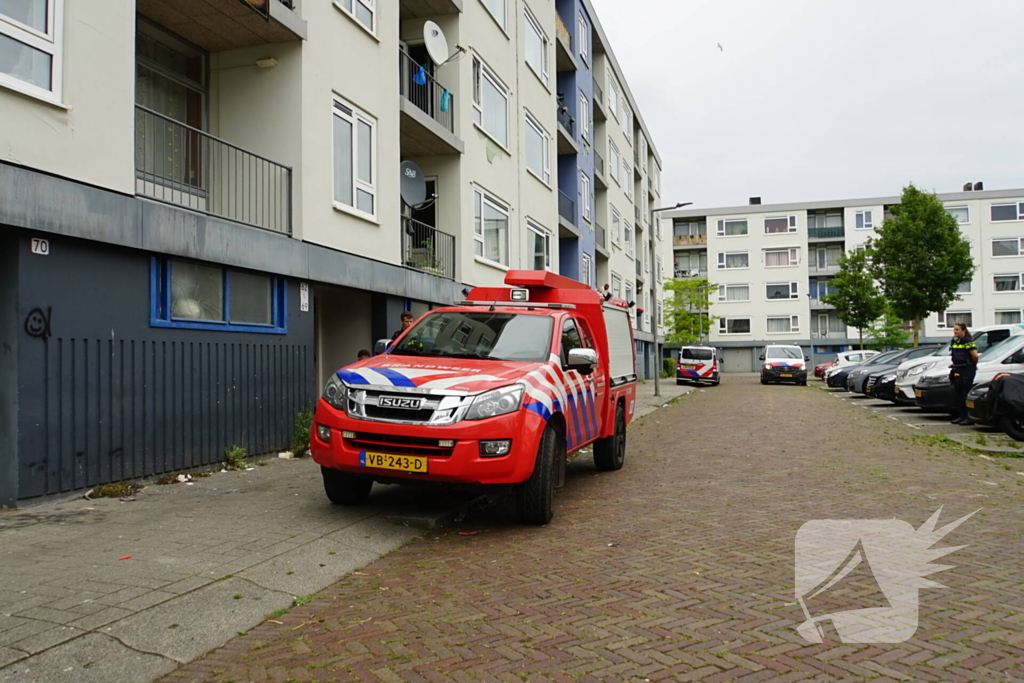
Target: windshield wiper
x=407 y=352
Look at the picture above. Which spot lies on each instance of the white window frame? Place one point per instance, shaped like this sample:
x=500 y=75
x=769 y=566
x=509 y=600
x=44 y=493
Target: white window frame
x=50 y=42
x=628 y=237
x=723 y=260
x=583 y=38
x=616 y=225
x=1020 y=212
x=499 y=205
x=503 y=19
x=531 y=23
x=864 y=220
x=584 y=117
x=794 y=257
x=348 y=7
x=943 y=318
x=587 y=265
x=481 y=70
x=723 y=325
x=614 y=161
x=794 y=323
x=1020 y=283
x=630 y=292
x=722 y=223
x=965 y=207
x=629 y=180
x=613 y=95
x=627 y=121
x=545 y=234
x=794 y=290
x=616 y=285
x=545 y=175
x=1019 y=312
x=723 y=293
x=585 y=195
x=355 y=118
x=790 y=225
x=1020 y=247
x=970 y=287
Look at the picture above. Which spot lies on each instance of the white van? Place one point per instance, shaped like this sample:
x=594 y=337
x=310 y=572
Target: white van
x=698 y=365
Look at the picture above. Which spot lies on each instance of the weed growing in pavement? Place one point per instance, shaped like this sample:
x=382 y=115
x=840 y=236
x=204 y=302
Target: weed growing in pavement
x=234 y=458
x=981 y=440
x=120 y=489
x=302 y=600
x=301 y=431
x=274 y=615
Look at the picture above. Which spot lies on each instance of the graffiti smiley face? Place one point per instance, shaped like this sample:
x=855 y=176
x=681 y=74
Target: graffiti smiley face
x=37 y=324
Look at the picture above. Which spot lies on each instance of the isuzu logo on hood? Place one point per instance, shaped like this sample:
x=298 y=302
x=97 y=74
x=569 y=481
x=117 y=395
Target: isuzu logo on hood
x=399 y=402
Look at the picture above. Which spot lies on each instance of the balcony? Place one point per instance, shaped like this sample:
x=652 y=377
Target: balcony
x=686 y=273
x=685 y=241
x=217 y=25
x=819 y=305
x=425 y=9
x=823 y=268
x=602 y=240
x=427 y=249
x=567 y=216
x=564 y=59
x=639 y=270
x=566 y=132
x=427 y=112
x=818 y=234
x=599 y=104
x=638 y=215
x=599 y=177
x=184 y=166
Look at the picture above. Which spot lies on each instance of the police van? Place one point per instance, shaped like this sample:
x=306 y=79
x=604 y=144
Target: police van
x=698 y=365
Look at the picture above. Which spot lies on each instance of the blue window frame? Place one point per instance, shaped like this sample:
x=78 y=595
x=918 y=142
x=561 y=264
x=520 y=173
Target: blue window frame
x=260 y=302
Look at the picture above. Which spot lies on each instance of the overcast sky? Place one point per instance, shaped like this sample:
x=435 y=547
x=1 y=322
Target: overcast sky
x=824 y=99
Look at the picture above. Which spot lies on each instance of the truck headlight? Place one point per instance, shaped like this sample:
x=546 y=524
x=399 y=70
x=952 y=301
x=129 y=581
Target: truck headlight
x=498 y=402
x=336 y=393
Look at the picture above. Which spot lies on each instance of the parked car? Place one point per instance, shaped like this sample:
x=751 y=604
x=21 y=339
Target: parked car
x=977 y=404
x=880 y=381
x=934 y=392
x=698 y=365
x=782 y=363
x=857 y=380
x=836 y=379
x=847 y=358
x=821 y=368
x=1008 y=411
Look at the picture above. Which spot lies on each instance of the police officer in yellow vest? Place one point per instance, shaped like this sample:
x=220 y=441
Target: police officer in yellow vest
x=965 y=363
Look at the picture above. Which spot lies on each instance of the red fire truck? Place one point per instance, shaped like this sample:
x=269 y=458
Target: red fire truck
x=493 y=392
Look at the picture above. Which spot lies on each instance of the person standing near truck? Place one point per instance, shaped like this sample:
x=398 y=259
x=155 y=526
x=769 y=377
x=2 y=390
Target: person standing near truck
x=406 y=322
x=964 y=354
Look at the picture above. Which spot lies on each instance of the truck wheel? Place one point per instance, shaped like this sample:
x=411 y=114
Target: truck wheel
x=535 y=496
x=610 y=452
x=1014 y=427
x=343 y=488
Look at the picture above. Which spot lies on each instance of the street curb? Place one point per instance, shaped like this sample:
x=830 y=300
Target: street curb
x=966 y=440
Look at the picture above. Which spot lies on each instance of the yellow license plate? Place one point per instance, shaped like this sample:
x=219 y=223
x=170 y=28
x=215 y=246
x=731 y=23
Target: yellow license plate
x=970 y=404
x=917 y=392
x=689 y=367
x=385 y=461
x=785 y=375
x=867 y=390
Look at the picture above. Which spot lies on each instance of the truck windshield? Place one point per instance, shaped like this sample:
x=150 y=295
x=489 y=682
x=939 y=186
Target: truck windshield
x=784 y=352
x=490 y=336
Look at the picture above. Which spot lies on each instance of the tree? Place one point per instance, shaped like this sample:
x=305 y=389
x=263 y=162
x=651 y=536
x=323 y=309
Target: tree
x=920 y=258
x=686 y=311
x=888 y=332
x=855 y=297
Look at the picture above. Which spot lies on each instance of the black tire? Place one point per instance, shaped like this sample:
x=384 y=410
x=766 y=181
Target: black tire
x=343 y=488
x=610 y=452
x=1013 y=426
x=535 y=497
x=803 y=383
x=764 y=381
x=680 y=382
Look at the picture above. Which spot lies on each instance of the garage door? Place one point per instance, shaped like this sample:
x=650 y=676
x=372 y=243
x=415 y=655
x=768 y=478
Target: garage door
x=738 y=360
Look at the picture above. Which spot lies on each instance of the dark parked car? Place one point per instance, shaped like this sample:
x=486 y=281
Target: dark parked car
x=838 y=379
x=1003 y=415
x=977 y=404
x=880 y=380
x=936 y=395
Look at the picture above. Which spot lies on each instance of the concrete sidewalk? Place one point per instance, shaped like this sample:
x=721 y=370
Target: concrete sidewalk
x=105 y=590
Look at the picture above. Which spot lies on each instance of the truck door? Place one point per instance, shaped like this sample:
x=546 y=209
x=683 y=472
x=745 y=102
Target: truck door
x=594 y=387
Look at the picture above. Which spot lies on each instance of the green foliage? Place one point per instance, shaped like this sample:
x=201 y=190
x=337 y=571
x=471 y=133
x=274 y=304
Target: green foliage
x=119 y=489
x=301 y=431
x=687 y=320
x=920 y=257
x=234 y=458
x=668 y=367
x=888 y=332
x=857 y=301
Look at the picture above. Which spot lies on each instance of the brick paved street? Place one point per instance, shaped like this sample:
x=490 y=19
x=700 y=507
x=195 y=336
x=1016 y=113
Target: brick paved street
x=679 y=567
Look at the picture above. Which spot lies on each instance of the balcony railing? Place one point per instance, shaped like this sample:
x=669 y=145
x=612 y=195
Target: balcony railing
x=427 y=249
x=566 y=121
x=826 y=233
x=181 y=165
x=562 y=31
x=636 y=158
x=639 y=270
x=602 y=236
x=598 y=163
x=598 y=93
x=566 y=207
x=420 y=88
x=687 y=240
x=638 y=214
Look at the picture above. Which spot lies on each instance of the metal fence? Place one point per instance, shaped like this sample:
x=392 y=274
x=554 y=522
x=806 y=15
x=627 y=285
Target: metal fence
x=178 y=164
x=566 y=207
x=427 y=249
x=566 y=121
x=419 y=87
x=826 y=233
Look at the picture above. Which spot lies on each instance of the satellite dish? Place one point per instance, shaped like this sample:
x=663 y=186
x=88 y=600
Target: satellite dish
x=435 y=42
x=413 y=186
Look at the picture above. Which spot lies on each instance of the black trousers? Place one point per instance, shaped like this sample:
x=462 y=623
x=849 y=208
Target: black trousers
x=962 y=379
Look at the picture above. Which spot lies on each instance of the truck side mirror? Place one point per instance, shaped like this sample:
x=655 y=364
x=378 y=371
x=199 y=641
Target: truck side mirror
x=582 y=360
x=762 y=356
x=381 y=346
x=807 y=358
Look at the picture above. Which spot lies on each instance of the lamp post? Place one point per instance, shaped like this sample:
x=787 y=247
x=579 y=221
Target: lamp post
x=654 y=298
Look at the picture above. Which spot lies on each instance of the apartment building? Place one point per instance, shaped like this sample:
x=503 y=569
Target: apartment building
x=201 y=217
x=772 y=264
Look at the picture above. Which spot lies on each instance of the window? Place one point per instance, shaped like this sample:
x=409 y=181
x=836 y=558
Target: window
x=613 y=161
x=354 y=159
x=1008 y=317
x=585 y=195
x=584 y=116
x=613 y=95
x=197 y=296
x=1007 y=283
x=616 y=225
x=862 y=220
x=627 y=121
x=1007 y=212
x=627 y=236
x=1008 y=247
x=583 y=37
x=570 y=340
x=31 y=47
x=734 y=292
x=627 y=179
x=950 y=318
x=363 y=11
x=490 y=102
x=616 y=285
x=536 y=47
x=773 y=291
x=732 y=228
x=734 y=325
x=587 y=279
x=779 y=224
x=826 y=219
x=629 y=292
x=964 y=288
x=783 y=324
x=689 y=227
x=497 y=10
x=490 y=228
x=736 y=259
x=962 y=214
x=539 y=241
x=776 y=258
x=538 y=144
